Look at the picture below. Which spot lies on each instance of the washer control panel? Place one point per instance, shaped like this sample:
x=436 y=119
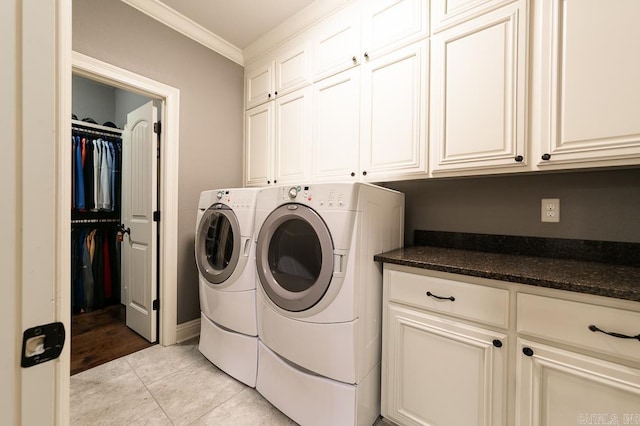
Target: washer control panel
x=235 y=199
x=324 y=196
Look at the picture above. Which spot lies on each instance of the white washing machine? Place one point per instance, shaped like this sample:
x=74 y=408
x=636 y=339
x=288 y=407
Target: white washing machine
x=319 y=298
x=225 y=255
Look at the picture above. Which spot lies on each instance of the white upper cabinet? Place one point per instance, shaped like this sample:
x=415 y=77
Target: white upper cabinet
x=366 y=29
x=336 y=127
x=258 y=137
x=277 y=140
x=394 y=93
x=289 y=71
x=389 y=24
x=292 y=137
x=589 y=84
x=258 y=84
x=292 y=68
x=479 y=93
x=336 y=43
x=446 y=13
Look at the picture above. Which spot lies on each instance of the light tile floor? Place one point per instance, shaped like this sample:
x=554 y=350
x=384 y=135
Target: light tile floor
x=174 y=385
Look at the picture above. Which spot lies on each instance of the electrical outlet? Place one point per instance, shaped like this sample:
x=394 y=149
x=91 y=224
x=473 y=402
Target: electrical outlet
x=550 y=210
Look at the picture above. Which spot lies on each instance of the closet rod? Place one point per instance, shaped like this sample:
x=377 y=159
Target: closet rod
x=93 y=221
x=95 y=128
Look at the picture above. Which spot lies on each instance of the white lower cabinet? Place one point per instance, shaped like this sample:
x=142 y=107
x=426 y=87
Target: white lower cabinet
x=436 y=369
x=560 y=387
x=562 y=358
x=442 y=372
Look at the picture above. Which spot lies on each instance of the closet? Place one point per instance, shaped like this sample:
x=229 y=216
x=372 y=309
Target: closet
x=96 y=155
x=98 y=327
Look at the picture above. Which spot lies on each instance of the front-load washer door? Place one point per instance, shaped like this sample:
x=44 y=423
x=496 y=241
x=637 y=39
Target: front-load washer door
x=294 y=257
x=218 y=243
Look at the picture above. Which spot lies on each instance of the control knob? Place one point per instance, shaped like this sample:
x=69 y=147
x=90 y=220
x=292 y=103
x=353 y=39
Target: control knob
x=219 y=195
x=293 y=192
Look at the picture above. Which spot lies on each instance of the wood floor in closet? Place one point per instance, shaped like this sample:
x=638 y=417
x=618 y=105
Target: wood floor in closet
x=101 y=336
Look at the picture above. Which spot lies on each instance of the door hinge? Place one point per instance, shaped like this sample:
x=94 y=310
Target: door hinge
x=157 y=127
x=156 y=216
x=156 y=304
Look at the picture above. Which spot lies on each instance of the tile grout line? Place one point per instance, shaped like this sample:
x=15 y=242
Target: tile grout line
x=150 y=393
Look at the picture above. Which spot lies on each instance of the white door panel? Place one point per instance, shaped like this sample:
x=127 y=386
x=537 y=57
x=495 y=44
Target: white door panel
x=139 y=201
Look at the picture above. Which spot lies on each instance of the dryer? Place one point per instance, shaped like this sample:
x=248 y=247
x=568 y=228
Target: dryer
x=319 y=298
x=225 y=256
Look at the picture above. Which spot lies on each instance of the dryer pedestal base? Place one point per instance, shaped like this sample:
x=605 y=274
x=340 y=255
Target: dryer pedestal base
x=234 y=353
x=309 y=399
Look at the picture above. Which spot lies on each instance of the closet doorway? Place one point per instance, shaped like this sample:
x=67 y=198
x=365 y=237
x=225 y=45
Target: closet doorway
x=158 y=152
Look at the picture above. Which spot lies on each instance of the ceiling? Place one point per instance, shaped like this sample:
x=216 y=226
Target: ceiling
x=239 y=22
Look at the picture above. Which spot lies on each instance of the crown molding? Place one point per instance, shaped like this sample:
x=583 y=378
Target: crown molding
x=185 y=26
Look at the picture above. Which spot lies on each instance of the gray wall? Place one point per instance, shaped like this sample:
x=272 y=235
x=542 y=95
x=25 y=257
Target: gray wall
x=211 y=110
x=596 y=205
x=126 y=102
x=92 y=99
x=102 y=102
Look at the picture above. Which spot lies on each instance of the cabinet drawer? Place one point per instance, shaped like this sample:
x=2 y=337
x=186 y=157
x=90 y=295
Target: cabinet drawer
x=475 y=302
x=568 y=322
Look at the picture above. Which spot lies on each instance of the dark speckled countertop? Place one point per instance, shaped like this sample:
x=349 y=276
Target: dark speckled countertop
x=603 y=279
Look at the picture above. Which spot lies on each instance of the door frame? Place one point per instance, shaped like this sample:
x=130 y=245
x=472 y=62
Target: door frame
x=94 y=69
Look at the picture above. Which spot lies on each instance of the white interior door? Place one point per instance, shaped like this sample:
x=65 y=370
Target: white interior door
x=139 y=201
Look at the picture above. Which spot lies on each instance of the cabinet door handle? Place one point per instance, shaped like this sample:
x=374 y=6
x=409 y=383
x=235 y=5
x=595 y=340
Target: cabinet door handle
x=435 y=296
x=614 y=334
x=546 y=157
x=354 y=59
x=519 y=158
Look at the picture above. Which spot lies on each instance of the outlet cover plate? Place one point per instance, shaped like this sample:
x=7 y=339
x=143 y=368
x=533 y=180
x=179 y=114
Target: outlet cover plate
x=550 y=210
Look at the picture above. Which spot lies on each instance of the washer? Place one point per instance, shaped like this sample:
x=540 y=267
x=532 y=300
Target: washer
x=225 y=256
x=319 y=298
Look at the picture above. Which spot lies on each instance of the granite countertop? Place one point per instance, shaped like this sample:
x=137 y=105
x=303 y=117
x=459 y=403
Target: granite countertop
x=603 y=279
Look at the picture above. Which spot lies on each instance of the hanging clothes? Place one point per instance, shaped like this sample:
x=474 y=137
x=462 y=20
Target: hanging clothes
x=95 y=267
x=96 y=171
x=79 y=175
x=95 y=202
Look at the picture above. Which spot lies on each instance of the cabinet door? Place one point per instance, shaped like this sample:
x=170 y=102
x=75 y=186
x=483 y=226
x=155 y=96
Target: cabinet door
x=292 y=67
x=478 y=105
x=258 y=84
x=389 y=24
x=445 y=14
x=590 y=84
x=336 y=127
x=293 y=136
x=394 y=97
x=440 y=372
x=336 y=44
x=258 y=145
x=558 y=387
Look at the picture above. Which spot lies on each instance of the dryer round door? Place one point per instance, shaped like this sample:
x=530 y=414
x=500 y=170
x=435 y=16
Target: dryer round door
x=218 y=243
x=294 y=257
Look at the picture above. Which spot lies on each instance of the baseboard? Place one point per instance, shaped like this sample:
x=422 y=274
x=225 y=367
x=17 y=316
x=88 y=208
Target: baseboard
x=187 y=330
